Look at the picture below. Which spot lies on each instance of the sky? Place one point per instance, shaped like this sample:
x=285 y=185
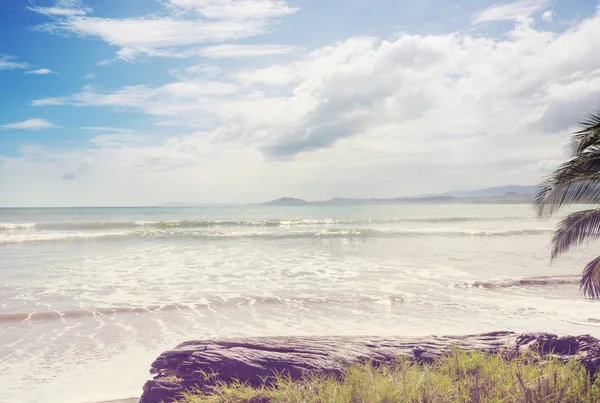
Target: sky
x=142 y=102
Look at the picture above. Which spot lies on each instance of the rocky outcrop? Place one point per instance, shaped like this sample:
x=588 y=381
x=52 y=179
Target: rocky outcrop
x=198 y=364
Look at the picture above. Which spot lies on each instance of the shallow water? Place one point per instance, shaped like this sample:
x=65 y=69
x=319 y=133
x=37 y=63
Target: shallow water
x=89 y=297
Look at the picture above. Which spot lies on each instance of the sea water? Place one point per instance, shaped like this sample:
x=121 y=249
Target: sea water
x=90 y=296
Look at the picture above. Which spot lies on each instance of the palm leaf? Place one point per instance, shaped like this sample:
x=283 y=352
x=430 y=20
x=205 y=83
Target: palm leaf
x=550 y=198
x=590 y=280
x=588 y=135
x=575 y=229
x=575 y=181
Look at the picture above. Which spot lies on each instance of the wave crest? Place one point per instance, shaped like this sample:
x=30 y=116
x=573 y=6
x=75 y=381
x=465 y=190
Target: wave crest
x=7 y=226
x=523 y=282
x=203 y=303
x=100 y=225
x=345 y=233
x=82 y=313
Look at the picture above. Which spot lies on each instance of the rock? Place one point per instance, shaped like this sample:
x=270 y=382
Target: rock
x=198 y=364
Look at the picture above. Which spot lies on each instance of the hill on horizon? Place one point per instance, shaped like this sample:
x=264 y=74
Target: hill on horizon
x=497 y=191
x=286 y=201
x=514 y=193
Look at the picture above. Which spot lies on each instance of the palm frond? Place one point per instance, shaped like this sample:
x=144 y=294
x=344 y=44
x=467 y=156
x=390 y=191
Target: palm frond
x=590 y=280
x=575 y=181
x=575 y=229
x=588 y=135
x=551 y=198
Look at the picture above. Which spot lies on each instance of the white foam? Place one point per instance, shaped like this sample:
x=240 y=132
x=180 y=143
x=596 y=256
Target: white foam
x=144 y=223
x=54 y=236
x=14 y=226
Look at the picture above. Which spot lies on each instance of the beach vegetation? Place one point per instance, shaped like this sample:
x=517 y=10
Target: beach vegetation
x=467 y=377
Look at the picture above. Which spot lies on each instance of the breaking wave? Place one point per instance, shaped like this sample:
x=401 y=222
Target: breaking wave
x=204 y=303
x=101 y=225
x=350 y=233
x=16 y=226
x=522 y=282
x=82 y=313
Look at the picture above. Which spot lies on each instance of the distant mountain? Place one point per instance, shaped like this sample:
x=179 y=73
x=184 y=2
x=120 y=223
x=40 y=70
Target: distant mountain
x=374 y=201
x=502 y=194
x=499 y=191
x=287 y=201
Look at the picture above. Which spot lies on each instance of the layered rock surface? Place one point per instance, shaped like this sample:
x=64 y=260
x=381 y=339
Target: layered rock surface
x=198 y=364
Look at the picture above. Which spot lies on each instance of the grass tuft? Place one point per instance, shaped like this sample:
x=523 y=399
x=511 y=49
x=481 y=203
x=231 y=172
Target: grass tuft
x=460 y=377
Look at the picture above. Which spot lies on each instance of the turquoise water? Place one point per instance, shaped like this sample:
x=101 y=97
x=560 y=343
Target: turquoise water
x=89 y=297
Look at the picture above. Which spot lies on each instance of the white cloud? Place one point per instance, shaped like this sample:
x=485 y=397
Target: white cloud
x=55 y=11
x=117 y=140
x=513 y=11
x=243 y=51
x=155 y=36
x=90 y=76
x=109 y=129
x=359 y=118
x=63 y=8
x=197 y=71
x=236 y=10
x=180 y=33
x=309 y=65
x=174 y=99
x=31 y=124
x=49 y=101
x=365 y=86
x=548 y=16
x=540 y=168
x=40 y=71
x=9 y=63
x=109 y=137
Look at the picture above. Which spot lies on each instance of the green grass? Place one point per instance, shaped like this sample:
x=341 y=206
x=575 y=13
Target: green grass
x=460 y=377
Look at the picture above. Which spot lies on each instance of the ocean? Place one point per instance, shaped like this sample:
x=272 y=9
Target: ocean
x=90 y=296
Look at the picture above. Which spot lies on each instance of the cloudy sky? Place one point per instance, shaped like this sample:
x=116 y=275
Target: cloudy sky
x=138 y=102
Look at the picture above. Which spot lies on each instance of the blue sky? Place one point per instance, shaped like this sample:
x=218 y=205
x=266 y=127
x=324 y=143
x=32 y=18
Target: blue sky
x=112 y=102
